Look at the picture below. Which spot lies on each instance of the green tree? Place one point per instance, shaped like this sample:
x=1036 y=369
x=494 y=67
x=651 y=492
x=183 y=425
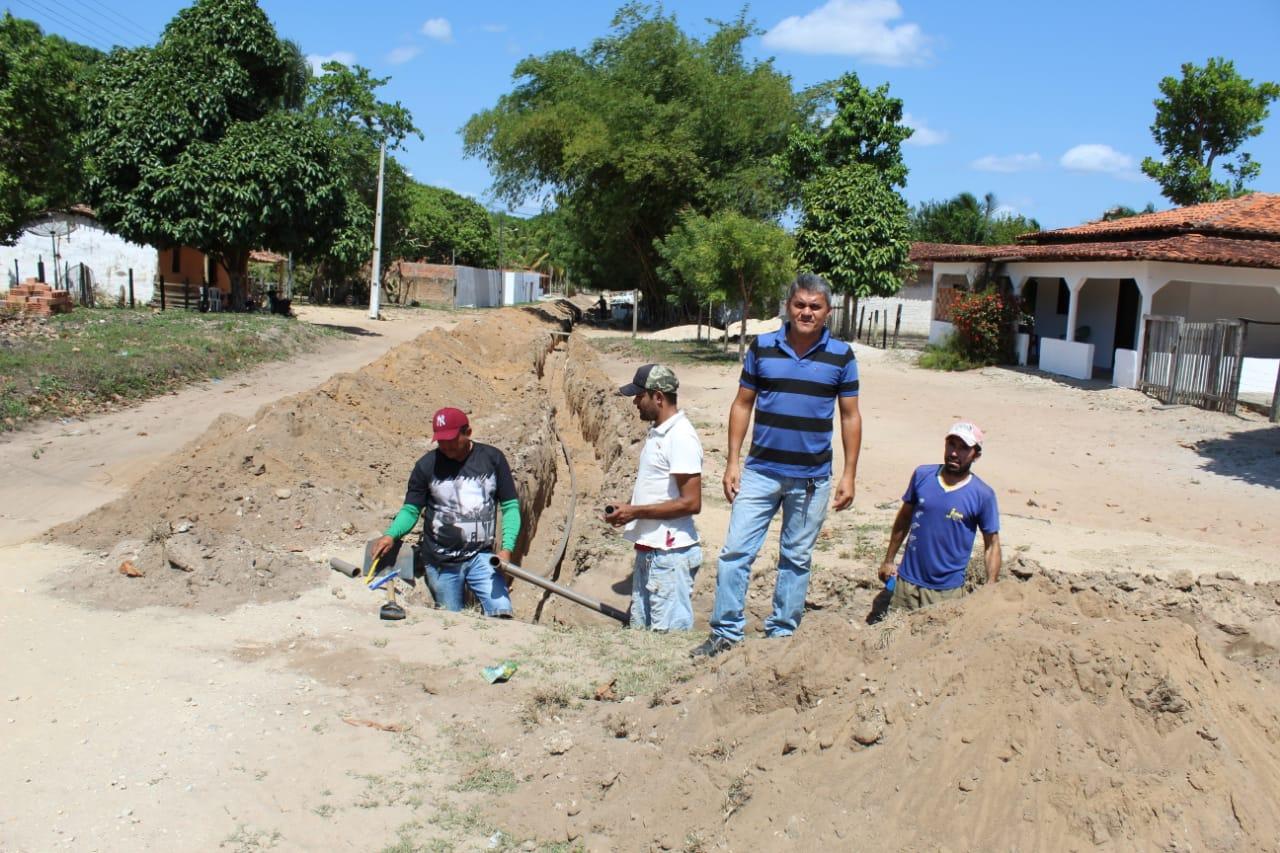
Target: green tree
x=41 y=92
x=444 y=227
x=197 y=141
x=343 y=102
x=848 y=123
x=1201 y=120
x=854 y=231
x=847 y=161
x=964 y=219
x=1123 y=211
x=625 y=134
x=728 y=255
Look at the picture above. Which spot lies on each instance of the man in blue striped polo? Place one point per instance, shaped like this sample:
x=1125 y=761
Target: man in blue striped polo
x=792 y=380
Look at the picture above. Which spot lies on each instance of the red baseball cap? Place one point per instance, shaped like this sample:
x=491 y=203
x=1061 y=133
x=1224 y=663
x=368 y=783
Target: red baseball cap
x=448 y=422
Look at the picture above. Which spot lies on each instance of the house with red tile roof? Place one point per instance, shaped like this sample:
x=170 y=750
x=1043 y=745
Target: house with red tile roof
x=1090 y=288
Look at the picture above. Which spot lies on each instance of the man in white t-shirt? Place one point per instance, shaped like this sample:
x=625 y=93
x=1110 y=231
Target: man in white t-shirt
x=666 y=497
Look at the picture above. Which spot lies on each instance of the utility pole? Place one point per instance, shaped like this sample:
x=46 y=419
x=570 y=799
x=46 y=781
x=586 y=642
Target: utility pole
x=635 y=312
x=377 y=238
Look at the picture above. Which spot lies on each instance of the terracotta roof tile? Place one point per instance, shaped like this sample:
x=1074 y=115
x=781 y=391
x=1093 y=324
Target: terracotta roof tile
x=1182 y=248
x=1253 y=215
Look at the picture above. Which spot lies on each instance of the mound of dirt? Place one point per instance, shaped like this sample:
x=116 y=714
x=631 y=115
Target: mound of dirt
x=1027 y=716
x=234 y=516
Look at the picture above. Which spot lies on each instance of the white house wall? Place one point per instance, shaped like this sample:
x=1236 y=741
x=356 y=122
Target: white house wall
x=1227 y=302
x=1098 y=299
x=1049 y=323
x=108 y=255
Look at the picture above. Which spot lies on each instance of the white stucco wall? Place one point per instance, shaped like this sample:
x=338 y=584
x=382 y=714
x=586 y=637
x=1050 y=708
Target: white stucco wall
x=1049 y=323
x=917 y=308
x=108 y=255
x=1098 y=311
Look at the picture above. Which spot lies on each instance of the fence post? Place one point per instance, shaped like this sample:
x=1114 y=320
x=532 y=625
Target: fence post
x=884 y=331
x=130 y=287
x=897 y=324
x=186 y=293
x=862 y=316
x=1175 y=362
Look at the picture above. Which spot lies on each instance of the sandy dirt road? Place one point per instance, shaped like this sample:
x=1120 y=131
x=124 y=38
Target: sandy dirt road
x=172 y=728
x=58 y=471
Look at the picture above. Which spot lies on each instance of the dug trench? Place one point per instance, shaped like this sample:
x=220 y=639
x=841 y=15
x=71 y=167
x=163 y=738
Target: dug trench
x=1049 y=711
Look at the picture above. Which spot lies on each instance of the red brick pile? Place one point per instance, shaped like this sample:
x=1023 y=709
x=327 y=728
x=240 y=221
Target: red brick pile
x=37 y=298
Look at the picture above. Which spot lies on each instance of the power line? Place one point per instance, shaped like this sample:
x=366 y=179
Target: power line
x=129 y=23
x=110 y=32
x=89 y=38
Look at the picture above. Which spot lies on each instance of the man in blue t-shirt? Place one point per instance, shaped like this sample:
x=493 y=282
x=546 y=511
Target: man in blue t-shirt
x=942 y=511
x=792 y=381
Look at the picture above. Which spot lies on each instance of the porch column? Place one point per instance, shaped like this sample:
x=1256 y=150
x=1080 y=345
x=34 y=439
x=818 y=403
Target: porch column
x=1147 y=287
x=1074 y=284
x=933 y=299
x=1017 y=280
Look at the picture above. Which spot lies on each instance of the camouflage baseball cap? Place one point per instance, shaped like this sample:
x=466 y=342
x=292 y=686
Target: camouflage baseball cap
x=651 y=377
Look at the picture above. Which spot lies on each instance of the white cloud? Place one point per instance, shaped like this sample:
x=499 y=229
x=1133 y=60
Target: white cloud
x=1093 y=157
x=401 y=55
x=1007 y=163
x=1004 y=210
x=318 y=60
x=494 y=28
x=859 y=28
x=439 y=29
x=924 y=135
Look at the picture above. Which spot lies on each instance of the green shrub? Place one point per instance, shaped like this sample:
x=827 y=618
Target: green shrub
x=948 y=356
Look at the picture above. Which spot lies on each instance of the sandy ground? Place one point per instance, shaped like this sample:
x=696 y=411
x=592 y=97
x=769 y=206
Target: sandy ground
x=182 y=727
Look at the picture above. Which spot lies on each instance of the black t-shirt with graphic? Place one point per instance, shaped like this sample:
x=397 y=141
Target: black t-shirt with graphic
x=460 y=501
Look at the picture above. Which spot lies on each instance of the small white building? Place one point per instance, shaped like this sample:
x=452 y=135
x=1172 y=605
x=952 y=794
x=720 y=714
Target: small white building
x=1090 y=288
x=65 y=239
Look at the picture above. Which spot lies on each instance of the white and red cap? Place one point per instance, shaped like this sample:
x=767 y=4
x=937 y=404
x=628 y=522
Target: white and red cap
x=968 y=432
x=447 y=423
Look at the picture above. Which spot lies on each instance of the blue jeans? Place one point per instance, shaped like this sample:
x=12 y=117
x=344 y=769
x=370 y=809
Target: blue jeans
x=448 y=582
x=804 y=508
x=662 y=588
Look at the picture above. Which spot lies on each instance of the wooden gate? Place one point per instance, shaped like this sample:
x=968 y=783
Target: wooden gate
x=1193 y=363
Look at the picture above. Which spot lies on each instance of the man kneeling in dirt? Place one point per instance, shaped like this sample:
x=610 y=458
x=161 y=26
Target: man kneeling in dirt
x=457 y=488
x=666 y=497
x=941 y=512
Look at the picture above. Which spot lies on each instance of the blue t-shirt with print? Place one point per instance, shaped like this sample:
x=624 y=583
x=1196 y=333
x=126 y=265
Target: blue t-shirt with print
x=944 y=524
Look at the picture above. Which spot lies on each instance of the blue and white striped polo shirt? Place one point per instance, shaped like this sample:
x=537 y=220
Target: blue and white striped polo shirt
x=795 y=402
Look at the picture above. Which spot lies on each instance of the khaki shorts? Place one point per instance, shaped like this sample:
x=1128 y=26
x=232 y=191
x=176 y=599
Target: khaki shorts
x=908 y=596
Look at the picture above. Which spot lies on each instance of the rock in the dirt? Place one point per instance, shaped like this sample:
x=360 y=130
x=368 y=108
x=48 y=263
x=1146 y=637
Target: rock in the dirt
x=559 y=743
x=182 y=553
x=1182 y=579
x=867 y=733
x=284 y=494
x=129 y=570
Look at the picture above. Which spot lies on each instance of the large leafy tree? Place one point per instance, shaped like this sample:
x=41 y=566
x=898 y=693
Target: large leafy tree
x=728 y=255
x=343 y=103
x=854 y=230
x=445 y=227
x=41 y=87
x=847 y=161
x=1202 y=120
x=200 y=141
x=625 y=134
x=966 y=219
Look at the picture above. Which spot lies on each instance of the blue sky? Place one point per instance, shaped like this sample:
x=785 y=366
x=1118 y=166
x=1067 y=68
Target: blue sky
x=1046 y=105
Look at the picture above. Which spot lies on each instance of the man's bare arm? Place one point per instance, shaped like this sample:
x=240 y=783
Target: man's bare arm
x=991 y=555
x=739 y=419
x=689 y=502
x=851 y=440
x=897 y=535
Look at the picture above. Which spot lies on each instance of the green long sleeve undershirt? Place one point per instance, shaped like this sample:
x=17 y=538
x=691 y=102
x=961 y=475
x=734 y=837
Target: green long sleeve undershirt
x=409 y=514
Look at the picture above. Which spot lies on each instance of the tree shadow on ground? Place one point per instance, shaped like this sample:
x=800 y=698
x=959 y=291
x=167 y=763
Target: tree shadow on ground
x=1253 y=456
x=350 y=330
